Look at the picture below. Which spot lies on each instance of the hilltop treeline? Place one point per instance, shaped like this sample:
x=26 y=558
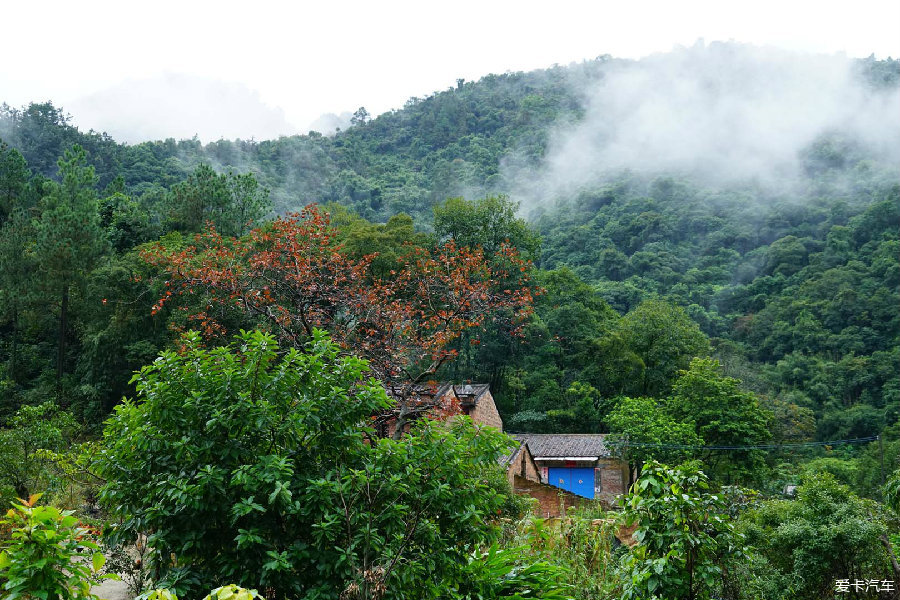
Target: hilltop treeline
x=791 y=291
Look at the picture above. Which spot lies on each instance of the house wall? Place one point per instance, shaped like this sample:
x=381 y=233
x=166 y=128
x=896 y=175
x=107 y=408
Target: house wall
x=531 y=471
x=610 y=477
x=613 y=478
x=522 y=465
x=485 y=412
x=391 y=427
x=551 y=501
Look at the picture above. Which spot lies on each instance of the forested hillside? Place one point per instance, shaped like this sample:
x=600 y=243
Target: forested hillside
x=791 y=285
x=693 y=253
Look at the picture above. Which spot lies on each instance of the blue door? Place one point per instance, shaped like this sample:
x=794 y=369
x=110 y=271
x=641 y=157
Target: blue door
x=579 y=481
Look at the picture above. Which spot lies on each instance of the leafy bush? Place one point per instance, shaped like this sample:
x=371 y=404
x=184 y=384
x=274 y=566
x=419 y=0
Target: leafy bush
x=25 y=465
x=686 y=540
x=500 y=573
x=242 y=464
x=129 y=563
x=826 y=533
x=580 y=547
x=226 y=592
x=48 y=556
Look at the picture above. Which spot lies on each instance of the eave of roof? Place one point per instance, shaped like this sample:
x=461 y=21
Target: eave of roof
x=565 y=446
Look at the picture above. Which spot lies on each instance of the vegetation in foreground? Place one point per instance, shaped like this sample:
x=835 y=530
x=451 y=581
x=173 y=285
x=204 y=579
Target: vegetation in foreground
x=260 y=467
x=664 y=310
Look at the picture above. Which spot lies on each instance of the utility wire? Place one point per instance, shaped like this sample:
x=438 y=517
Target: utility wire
x=626 y=443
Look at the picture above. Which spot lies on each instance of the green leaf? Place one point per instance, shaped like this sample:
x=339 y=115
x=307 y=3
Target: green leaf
x=98 y=560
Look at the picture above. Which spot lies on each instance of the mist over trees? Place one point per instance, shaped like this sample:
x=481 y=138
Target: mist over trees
x=697 y=249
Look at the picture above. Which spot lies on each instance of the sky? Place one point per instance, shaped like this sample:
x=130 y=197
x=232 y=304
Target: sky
x=143 y=70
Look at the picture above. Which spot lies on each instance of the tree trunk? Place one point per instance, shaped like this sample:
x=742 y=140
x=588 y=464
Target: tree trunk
x=401 y=421
x=14 y=342
x=886 y=542
x=61 y=344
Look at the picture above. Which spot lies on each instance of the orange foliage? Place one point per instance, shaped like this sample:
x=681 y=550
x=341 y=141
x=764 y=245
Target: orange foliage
x=293 y=276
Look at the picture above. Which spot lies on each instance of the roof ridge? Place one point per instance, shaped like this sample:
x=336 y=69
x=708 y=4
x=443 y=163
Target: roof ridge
x=561 y=434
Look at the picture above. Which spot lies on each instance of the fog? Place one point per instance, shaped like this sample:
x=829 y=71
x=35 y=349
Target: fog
x=725 y=112
x=179 y=106
x=330 y=123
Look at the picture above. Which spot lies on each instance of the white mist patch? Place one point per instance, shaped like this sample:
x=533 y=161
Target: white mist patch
x=725 y=112
x=179 y=106
x=330 y=123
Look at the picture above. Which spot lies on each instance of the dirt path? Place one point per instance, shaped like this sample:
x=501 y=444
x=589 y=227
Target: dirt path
x=112 y=590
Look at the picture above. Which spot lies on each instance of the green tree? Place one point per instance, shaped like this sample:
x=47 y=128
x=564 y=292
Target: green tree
x=665 y=339
x=722 y=413
x=33 y=430
x=559 y=364
x=644 y=426
x=360 y=116
x=245 y=464
x=230 y=201
x=686 y=540
x=14 y=176
x=16 y=266
x=126 y=220
x=16 y=278
x=248 y=202
x=388 y=242
x=826 y=534
x=487 y=222
x=786 y=256
x=68 y=239
x=892 y=491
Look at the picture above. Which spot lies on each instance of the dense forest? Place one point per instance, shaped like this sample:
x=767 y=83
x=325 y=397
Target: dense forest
x=664 y=307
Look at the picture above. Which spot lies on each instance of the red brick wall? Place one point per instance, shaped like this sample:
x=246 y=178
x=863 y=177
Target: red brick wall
x=551 y=501
x=485 y=412
x=522 y=465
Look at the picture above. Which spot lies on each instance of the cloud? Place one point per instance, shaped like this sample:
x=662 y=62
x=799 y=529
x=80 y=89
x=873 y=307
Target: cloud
x=329 y=123
x=725 y=112
x=179 y=106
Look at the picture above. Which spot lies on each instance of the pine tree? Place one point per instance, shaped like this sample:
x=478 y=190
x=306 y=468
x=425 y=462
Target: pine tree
x=14 y=176
x=68 y=238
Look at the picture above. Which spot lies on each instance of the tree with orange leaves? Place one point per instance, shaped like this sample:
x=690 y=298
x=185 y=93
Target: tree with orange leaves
x=291 y=276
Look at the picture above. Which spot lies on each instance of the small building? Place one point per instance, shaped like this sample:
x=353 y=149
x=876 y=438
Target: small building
x=579 y=463
x=476 y=401
x=443 y=398
x=519 y=464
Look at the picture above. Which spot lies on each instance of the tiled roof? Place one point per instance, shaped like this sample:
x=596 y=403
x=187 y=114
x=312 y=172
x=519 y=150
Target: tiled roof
x=468 y=393
x=424 y=390
x=562 y=445
x=512 y=454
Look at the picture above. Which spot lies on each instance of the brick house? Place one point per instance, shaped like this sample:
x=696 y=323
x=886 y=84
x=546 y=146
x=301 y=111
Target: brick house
x=476 y=401
x=471 y=399
x=578 y=463
x=520 y=464
x=578 y=466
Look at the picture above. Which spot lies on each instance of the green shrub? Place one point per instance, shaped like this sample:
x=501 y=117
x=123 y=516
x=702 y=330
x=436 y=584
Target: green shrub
x=244 y=464
x=580 y=547
x=826 y=533
x=226 y=592
x=686 y=539
x=502 y=573
x=48 y=556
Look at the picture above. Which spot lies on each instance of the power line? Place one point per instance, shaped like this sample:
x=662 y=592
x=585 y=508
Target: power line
x=626 y=443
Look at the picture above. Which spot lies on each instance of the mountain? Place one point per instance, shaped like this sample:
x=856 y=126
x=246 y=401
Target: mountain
x=755 y=189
